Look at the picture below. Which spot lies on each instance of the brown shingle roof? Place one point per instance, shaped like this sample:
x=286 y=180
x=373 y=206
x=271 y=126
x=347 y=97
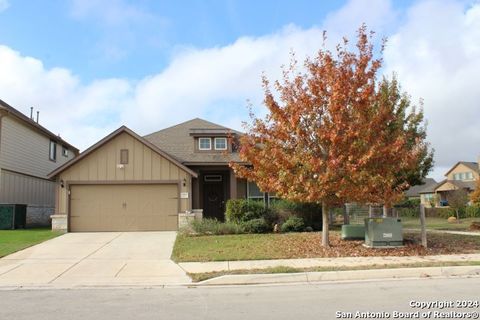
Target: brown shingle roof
x=470 y=185
x=415 y=191
x=178 y=141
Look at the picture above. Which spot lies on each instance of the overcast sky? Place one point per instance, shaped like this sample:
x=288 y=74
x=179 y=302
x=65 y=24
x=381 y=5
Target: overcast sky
x=91 y=66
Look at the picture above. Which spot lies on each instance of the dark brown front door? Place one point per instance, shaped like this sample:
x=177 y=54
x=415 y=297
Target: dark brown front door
x=214 y=197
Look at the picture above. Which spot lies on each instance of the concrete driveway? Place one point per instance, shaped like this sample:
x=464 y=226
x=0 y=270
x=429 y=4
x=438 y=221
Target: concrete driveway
x=91 y=259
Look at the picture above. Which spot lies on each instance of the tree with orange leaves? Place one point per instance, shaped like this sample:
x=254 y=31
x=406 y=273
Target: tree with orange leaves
x=475 y=195
x=333 y=134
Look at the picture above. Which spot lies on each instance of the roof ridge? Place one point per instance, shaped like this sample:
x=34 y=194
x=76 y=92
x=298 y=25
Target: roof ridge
x=184 y=122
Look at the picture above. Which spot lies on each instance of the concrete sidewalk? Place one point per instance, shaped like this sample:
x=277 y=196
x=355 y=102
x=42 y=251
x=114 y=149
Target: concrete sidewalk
x=462 y=233
x=204 y=267
x=333 y=276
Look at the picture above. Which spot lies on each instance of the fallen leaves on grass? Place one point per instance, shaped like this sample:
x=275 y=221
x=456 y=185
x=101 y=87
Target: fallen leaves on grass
x=307 y=245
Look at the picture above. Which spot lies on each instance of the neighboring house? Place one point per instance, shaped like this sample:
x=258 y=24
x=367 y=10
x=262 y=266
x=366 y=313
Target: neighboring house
x=28 y=152
x=462 y=175
x=427 y=195
x=126 y=182
x=414 y=192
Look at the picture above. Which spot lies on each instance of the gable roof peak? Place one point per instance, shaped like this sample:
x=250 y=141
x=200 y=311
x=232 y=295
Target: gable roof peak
x=470 y=164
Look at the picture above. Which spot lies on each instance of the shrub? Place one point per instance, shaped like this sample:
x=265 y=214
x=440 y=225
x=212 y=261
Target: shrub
x=443 y=213
x=241 y=210
x=256 y=226
x=293 y=224
x=407 y=212
x=408 y=203
x=472 y=211
x=310 y=212
x=213 y=226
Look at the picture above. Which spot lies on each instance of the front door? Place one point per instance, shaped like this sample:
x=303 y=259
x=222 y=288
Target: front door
x=214 y=196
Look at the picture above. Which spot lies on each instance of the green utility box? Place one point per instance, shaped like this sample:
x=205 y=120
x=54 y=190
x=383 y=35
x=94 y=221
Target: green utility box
x=353 y=232
x=13 y=216
x=383 y=232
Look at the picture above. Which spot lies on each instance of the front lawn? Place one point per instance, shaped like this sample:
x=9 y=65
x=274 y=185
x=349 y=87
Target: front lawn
x=439 y=224
x=307 y=245
x=15 y=240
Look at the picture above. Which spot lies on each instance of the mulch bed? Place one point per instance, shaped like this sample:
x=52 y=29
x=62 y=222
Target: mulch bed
x=307 y=245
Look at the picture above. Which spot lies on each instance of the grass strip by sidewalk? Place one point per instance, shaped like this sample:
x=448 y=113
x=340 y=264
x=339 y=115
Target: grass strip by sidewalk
x=198 y=277
x=16 y=240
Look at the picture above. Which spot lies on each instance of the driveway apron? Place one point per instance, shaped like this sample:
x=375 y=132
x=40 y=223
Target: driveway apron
x=95 y=259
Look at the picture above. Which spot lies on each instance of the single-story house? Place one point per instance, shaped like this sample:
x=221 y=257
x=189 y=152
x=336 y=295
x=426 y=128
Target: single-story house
x=414 y=192
x=126 y=182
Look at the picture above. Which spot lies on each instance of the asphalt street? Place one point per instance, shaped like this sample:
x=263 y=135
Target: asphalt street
x=319 y=301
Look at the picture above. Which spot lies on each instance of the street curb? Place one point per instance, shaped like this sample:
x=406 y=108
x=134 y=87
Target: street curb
x=352 y=275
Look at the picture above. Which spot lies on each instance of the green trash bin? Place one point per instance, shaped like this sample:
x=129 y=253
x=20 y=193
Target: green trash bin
x=13 y=216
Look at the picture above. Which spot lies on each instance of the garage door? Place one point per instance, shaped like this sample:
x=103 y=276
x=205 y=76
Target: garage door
x=149 y=207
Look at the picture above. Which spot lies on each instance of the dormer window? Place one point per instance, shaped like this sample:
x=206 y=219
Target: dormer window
x=220 y=143
x=204 y=144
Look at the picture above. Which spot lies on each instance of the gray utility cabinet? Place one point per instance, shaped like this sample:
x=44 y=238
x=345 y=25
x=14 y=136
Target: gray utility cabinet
x=383 y=232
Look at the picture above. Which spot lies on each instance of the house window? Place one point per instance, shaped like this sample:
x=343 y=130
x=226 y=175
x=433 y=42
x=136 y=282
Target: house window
x=124 y=156
x=204 y=143
x=65 y=151
x=469 y=175
x=254 y=193
x=53 y=150
x=220 y=143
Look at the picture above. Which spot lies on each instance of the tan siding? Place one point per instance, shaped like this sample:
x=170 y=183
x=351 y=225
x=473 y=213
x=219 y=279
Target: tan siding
x=144 y=164
x=25 y=150
x=447 y=186
x=21 y=189
x=462 y=168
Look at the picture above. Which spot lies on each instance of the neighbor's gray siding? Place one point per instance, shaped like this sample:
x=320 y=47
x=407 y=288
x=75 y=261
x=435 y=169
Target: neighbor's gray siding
x=21 y=189
x=25 y=150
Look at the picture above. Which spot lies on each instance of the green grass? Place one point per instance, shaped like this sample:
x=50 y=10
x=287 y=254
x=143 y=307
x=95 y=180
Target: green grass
x=227 y=247
x=308 y=245
x=15 y=240
x=439 y=224
x=197 y=277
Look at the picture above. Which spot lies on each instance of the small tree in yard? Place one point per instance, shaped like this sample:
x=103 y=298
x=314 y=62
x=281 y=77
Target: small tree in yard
x=334 y=134
x=457 y=200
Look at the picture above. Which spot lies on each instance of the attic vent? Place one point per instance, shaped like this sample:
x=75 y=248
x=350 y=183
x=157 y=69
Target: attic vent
x=212 y=178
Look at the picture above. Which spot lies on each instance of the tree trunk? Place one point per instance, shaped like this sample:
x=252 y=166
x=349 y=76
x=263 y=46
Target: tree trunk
x=370 y=211
x=325 y=226
x=346 y=214
x=422 y=226
x=458 y=215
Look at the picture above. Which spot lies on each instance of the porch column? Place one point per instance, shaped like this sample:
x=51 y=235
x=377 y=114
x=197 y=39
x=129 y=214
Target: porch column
x=233 y=185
